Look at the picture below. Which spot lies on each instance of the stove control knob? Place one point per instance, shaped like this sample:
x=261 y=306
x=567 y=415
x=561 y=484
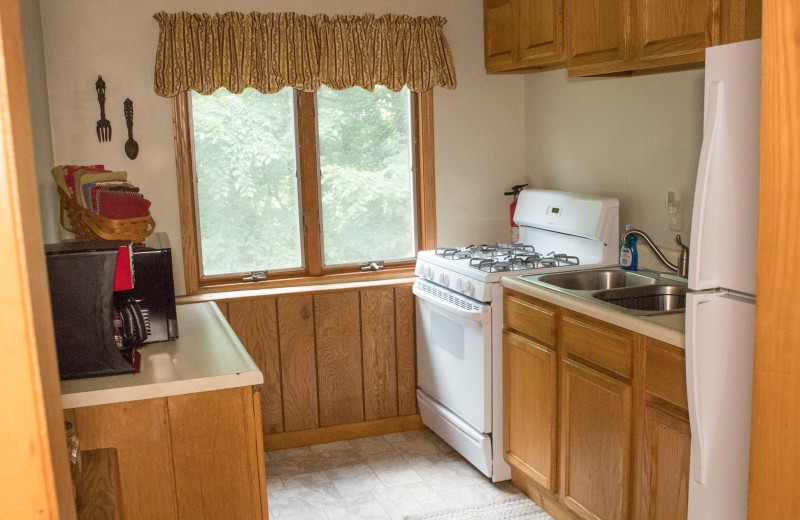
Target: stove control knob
x=444 y=280
x=469 y=288
x=428 y=273
x=459 y=285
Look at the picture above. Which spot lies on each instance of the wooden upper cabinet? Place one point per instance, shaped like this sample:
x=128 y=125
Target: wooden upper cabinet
x=523 y=35
x=597 y=35
x=675 y=31
x=498 y=38
x=616 y=36
x=539 y=31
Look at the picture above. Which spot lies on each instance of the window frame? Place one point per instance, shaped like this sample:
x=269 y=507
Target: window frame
x=313 y=271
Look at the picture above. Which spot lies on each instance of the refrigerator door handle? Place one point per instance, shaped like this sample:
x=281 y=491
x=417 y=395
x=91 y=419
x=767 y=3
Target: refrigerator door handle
x=694 y=376
x=716 y=91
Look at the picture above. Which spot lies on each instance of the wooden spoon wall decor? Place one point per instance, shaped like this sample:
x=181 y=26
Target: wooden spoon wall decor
x=131 y=146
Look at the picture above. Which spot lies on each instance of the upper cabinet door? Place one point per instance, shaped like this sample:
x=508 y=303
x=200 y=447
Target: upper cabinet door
x=676 y=31
x=597 y=32
x=540 y=32
x=498 y=35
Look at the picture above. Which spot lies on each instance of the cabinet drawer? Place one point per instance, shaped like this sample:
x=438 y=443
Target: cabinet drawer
x=597 y=342
x=531 y=317
x=666 y=372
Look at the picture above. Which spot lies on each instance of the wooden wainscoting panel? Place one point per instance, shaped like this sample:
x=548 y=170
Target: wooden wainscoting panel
x=330 y=357
x=340 y=379
x=212 y=423
x=255 y=322
x=139 y=431
x=343 y=432
x=379 y=353
x=223 y=308
x=298 y=362
x=405 y=328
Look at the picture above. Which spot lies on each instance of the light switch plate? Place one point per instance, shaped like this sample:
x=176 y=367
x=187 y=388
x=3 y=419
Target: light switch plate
x=676 y=218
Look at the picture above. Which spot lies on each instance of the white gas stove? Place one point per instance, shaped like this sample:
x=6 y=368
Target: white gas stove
x=460 y=318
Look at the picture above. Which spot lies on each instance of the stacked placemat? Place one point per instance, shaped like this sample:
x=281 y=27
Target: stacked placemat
x=102 y=203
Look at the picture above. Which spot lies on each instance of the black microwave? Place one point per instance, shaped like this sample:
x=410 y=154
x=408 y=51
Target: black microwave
x=98 y=329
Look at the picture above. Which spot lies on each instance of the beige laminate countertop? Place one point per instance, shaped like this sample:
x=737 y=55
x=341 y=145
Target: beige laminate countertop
x=666 y=327
x=206 y=356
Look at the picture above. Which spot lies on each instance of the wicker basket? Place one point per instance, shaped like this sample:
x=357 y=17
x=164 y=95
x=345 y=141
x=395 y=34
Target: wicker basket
x=91 y=226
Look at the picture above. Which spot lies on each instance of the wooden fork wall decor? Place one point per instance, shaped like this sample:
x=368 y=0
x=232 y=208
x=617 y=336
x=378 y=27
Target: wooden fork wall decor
x=103 y=125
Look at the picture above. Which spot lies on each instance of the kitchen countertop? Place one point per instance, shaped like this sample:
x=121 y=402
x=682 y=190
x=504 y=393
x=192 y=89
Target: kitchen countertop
x=666 y=327
x=207 y=356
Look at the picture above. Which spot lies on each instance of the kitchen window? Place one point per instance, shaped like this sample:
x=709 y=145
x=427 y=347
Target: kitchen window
x=303 y=186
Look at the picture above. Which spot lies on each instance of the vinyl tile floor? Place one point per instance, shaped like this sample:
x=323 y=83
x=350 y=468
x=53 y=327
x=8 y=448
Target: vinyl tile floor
x=383 y=477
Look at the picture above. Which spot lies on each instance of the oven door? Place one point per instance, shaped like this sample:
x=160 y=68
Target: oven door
x=454 y=361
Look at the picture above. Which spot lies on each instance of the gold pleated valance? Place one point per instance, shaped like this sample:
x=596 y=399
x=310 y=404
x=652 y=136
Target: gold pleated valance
x=269 y=51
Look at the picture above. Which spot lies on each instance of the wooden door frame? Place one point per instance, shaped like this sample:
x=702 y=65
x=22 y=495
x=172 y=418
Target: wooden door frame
x=34 y=471
x=774 y=446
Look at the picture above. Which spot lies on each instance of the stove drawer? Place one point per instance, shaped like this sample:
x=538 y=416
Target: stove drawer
x=530 y=316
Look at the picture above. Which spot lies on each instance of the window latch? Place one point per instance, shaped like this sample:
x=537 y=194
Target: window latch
x=255 y=276
x=373 y=266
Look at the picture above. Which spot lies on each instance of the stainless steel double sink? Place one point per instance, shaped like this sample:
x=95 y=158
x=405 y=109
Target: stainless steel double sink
x=641 y=293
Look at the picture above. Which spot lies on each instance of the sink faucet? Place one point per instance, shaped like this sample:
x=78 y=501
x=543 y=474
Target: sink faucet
x=683 y=260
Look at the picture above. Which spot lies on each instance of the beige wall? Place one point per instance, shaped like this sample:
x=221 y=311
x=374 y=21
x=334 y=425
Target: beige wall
x=33 y=48
x=479 y=126
x=630 y=138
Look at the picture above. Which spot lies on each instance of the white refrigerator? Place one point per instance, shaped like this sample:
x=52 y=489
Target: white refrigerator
x=720 y=304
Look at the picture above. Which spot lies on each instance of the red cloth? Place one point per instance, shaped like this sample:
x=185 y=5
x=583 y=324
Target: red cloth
x=123 y=274
x=118 y=205
x=69 y=174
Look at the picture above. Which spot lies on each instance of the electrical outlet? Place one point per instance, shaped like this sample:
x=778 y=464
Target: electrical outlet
x=676 y=218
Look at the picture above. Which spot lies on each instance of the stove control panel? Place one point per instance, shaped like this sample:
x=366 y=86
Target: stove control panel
x=454 y=281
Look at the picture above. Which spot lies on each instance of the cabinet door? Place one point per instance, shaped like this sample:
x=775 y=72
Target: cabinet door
x=664 y=468
x=539 y=32
x=498 y=34
x=529 y=401
x=595 y=443
x=217 y=454
x=596 y=32
x=669 y=32
x=139 y=430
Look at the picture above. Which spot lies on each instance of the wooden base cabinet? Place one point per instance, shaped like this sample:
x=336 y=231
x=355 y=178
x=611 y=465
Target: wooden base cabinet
x=596 y=442
x=596 y=426
x=664 y=467
x=665 y=440
x=196 y=456
x=530 y=399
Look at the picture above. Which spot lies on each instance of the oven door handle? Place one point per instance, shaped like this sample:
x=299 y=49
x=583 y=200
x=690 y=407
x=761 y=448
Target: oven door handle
x=476 y=315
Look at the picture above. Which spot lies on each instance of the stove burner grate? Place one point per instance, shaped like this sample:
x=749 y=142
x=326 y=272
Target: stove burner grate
x=493 y=258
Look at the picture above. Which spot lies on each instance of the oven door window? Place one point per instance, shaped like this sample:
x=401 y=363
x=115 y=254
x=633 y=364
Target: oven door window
x=454 y=359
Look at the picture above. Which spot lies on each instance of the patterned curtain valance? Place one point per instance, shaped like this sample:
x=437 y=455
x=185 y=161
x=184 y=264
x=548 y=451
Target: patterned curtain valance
x=269 y=51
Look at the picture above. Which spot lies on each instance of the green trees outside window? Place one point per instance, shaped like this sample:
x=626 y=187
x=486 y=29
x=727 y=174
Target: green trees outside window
x=248 y=188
